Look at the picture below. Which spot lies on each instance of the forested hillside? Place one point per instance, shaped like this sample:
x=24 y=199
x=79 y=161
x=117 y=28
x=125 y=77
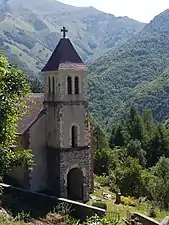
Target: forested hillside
x=136 y=161
x=29 y=31
x=135 y=72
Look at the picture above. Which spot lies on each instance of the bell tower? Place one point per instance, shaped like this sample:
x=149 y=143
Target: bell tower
x=68 y=150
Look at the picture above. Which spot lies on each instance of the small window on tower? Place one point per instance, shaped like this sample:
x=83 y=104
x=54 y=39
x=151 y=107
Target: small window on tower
x=76 y=85
x=53 y=84
x=69 y=85
x=74 y=136
x=49 y=85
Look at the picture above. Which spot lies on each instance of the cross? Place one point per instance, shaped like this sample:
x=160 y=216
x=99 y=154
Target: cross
x=64 y=30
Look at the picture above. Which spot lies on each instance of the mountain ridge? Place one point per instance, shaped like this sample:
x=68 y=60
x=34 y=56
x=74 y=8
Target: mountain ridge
x=30 y=31
x=141 y=59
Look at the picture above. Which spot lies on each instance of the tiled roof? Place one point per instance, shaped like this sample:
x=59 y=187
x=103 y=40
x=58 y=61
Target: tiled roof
x=34 y=110
x=72 y=66
x=64 y=57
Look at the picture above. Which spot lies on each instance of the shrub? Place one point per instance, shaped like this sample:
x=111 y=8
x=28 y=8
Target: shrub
x=63 y=208
x=100 y=204
x=102 y=180
x=130 y=201
x=23 y=216
x=152 y=212
x=96 y=220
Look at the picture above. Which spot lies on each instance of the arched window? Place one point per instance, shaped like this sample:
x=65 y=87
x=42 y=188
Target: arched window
x=69 y=85
x=53 y=84
x=74 y=136
x=49 y=85
x=76 y=85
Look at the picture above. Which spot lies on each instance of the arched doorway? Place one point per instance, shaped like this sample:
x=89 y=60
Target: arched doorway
x=75 y=182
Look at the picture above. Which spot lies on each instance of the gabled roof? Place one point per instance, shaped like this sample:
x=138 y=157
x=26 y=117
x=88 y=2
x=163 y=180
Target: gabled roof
x=64 y=57
x=34 y=110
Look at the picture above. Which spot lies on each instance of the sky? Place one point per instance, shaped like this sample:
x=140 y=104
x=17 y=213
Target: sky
x=142 y=10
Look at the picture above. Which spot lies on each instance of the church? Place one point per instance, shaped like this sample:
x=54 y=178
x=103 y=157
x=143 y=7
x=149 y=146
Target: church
x=57 y=130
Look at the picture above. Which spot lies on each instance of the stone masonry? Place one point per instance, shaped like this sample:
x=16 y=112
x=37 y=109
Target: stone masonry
x=57 y=129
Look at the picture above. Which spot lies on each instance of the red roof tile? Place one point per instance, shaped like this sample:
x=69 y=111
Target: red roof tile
x=34 y=109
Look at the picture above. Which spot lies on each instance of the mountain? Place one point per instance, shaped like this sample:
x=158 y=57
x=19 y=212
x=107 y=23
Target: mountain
x=30 y=30
x=136 y=72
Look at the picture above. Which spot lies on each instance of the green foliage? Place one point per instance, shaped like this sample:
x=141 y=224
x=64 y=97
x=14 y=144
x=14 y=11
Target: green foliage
x=152 y=212
x=138 y=162
x=10 y=159
x=143 y=138
x=13 y=90
x=100 y=140
x=102 y=180
x=158 y=189
x=63 y=209
x=100 y=204
x=127 y=177
x=136 y=72
x=35 y=85
x=130 y=201
x=101 y=149
x=102 y=161
x=22 y=216
x=101 y=221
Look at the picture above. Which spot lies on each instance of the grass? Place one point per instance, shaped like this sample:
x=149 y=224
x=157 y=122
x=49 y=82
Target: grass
x=43 y=214
x=123 y=210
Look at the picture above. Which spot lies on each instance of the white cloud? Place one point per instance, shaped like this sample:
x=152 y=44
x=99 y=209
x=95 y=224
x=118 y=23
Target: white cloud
x=143 y=10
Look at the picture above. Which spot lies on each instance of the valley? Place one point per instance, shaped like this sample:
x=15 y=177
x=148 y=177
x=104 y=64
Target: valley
x=29 y=32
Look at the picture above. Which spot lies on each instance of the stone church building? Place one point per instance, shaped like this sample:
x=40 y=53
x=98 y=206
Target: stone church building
x=57 y=129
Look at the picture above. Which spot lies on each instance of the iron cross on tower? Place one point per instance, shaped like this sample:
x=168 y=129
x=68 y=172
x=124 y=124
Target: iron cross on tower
x=64 y=30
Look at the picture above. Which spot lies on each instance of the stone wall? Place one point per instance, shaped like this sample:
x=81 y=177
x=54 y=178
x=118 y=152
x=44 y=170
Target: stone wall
x=38 y=147
x=144 y=219
x=75 y=158
x=79 y=210
x=74 y=115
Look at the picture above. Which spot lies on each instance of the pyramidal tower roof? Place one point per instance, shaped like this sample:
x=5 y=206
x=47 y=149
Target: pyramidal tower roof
x=64 y=56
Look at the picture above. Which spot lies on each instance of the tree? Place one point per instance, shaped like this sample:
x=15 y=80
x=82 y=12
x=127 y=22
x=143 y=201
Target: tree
x=13 y=90
x=35 y=85
x=134 y=150
x=99 y=138
x=143 y=138
x=127 y=177
x=159 y=189
x=118 y=138
x=135 y=125
x=102 y=161
x=100 y=149
x=158 y=145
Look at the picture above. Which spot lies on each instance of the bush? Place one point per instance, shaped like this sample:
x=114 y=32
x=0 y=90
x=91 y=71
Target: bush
x=101 y=205
x=130 y=201
x=63 y=208
x=102 y=180
x=23 y=216
x=152 y=212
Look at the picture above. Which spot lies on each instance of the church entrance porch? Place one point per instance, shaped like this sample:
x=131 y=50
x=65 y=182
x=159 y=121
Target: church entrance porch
x=75 y=184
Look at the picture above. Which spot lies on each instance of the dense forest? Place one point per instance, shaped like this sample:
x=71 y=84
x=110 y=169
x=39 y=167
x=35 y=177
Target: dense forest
x=135 y=72
x=134 y=159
